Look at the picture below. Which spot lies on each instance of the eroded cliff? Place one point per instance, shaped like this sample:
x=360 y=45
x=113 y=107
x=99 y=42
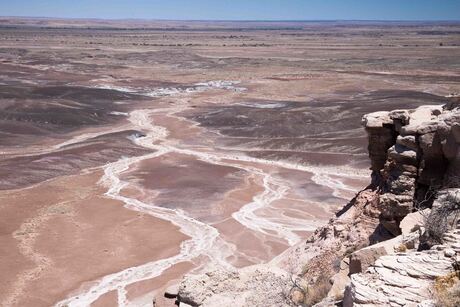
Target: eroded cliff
x=379 y=245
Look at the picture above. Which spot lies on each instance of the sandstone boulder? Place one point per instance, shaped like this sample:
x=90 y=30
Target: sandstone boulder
x=362 y=259
x=377 y=119
x=413 y=221
x=408 y=141
x=252 y=286
x=172 y=291
x=402 y=154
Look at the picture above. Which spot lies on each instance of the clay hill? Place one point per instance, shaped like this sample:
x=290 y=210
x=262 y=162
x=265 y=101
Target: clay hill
x=396 y=243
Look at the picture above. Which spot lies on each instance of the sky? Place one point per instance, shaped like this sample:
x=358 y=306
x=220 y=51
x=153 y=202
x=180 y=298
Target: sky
x=237 y=9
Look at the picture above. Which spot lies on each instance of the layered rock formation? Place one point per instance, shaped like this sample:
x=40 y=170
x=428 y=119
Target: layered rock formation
x=370 y=246
x=405 y=278
x=412 y=152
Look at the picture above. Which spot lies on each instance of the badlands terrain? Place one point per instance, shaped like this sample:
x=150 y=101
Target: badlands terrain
x=132 y=153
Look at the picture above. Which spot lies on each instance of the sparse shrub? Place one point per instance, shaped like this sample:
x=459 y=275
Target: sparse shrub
x=318 y=274
x=310 y=291
x=302 y=294
x=401 y=248
x=447 y=291
x=297 y=291
x=314 y=294
x=441 y=218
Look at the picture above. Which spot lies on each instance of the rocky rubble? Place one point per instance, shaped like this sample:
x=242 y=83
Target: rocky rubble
x=370 y=246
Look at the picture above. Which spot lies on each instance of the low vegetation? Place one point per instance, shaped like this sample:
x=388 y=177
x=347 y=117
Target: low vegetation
x=443 y=215
x=447 y=290
x=302 y=294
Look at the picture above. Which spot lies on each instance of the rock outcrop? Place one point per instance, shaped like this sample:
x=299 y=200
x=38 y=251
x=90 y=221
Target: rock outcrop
x=251 y=286
x=370 y=246
x=421 y=170
x=403 y=279
x=412 y=152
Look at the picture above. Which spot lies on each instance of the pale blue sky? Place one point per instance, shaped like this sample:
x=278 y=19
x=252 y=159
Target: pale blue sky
x=238 y=9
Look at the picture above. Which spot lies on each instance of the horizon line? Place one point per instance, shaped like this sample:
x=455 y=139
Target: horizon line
x=235 y=20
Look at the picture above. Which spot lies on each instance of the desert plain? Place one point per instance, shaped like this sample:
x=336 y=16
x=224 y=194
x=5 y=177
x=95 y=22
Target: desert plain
x=134 y=152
